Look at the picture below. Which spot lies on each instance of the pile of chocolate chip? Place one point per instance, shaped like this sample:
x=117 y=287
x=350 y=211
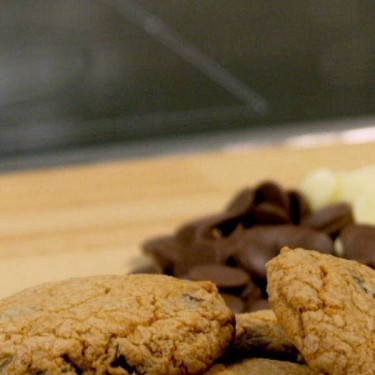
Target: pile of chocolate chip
x=231 y=248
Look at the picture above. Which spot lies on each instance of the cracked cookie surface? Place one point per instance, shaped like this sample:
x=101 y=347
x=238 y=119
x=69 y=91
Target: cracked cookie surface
x=260 y=366
x=259 y=334
x=114 y=325
x=327 y=307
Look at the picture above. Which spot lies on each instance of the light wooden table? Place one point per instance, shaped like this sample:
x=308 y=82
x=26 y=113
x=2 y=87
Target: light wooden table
x=90 y=220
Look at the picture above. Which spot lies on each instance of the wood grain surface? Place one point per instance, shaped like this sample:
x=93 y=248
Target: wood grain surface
x=90 y=220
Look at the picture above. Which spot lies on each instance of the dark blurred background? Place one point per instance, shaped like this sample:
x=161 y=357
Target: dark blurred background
x=75 y=74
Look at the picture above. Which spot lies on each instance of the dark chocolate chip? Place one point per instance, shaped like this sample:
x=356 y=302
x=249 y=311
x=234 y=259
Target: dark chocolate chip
x=225 y=246
x=236 y=244
x=241 y=203
x=331 y=219
x=269 y=213
x=299 y=207
x=229 y=246
x=358 y=243
x=209 y=242
x=257 y=245
x=271 y=193
x=223 y=276
x=234 y=303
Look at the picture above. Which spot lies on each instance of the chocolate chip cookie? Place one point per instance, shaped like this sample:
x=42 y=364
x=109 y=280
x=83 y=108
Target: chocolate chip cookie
x=327 y=307
x=112 y=325
x=259 y=334
x=260 y=366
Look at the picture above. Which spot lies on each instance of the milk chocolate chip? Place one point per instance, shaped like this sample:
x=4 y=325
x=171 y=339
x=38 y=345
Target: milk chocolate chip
x=358 y=243
x=257 y=304
x=216 y=227
x=185 y=234
x=223 y=276
x=234 y=303
x=330 y=219
x=164 y=250
x=259 y=244
x=196 y=254
x=253 y=258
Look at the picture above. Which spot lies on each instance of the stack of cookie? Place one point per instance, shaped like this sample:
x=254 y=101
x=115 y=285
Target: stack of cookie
x=323 y=322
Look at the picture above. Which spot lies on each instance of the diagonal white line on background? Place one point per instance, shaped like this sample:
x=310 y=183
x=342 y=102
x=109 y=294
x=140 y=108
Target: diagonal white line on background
x=155 y=27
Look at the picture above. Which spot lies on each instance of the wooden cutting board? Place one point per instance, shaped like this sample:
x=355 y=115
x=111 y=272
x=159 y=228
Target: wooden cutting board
x=88 y=220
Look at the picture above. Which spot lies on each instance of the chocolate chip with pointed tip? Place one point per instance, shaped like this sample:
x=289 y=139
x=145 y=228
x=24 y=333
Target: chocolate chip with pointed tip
x=269 y=213
x=164 y=250
x=242 y=203
x=299 y=206
x=216 y=227
x=272 y=193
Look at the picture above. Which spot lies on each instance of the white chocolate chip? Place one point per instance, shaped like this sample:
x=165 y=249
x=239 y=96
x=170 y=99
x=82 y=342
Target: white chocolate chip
x=364 y=208
x=320 y=187
x=338 y=247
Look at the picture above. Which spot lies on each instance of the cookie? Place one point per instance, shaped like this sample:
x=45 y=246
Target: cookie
x=327 y=307
x=259 y=334
x=260 y=366
x=112 y=325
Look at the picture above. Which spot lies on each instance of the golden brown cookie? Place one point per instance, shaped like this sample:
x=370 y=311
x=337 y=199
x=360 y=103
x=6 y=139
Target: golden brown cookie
x=259 y=334
x=260 y=366
x=112 y=325
x=327 y=307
